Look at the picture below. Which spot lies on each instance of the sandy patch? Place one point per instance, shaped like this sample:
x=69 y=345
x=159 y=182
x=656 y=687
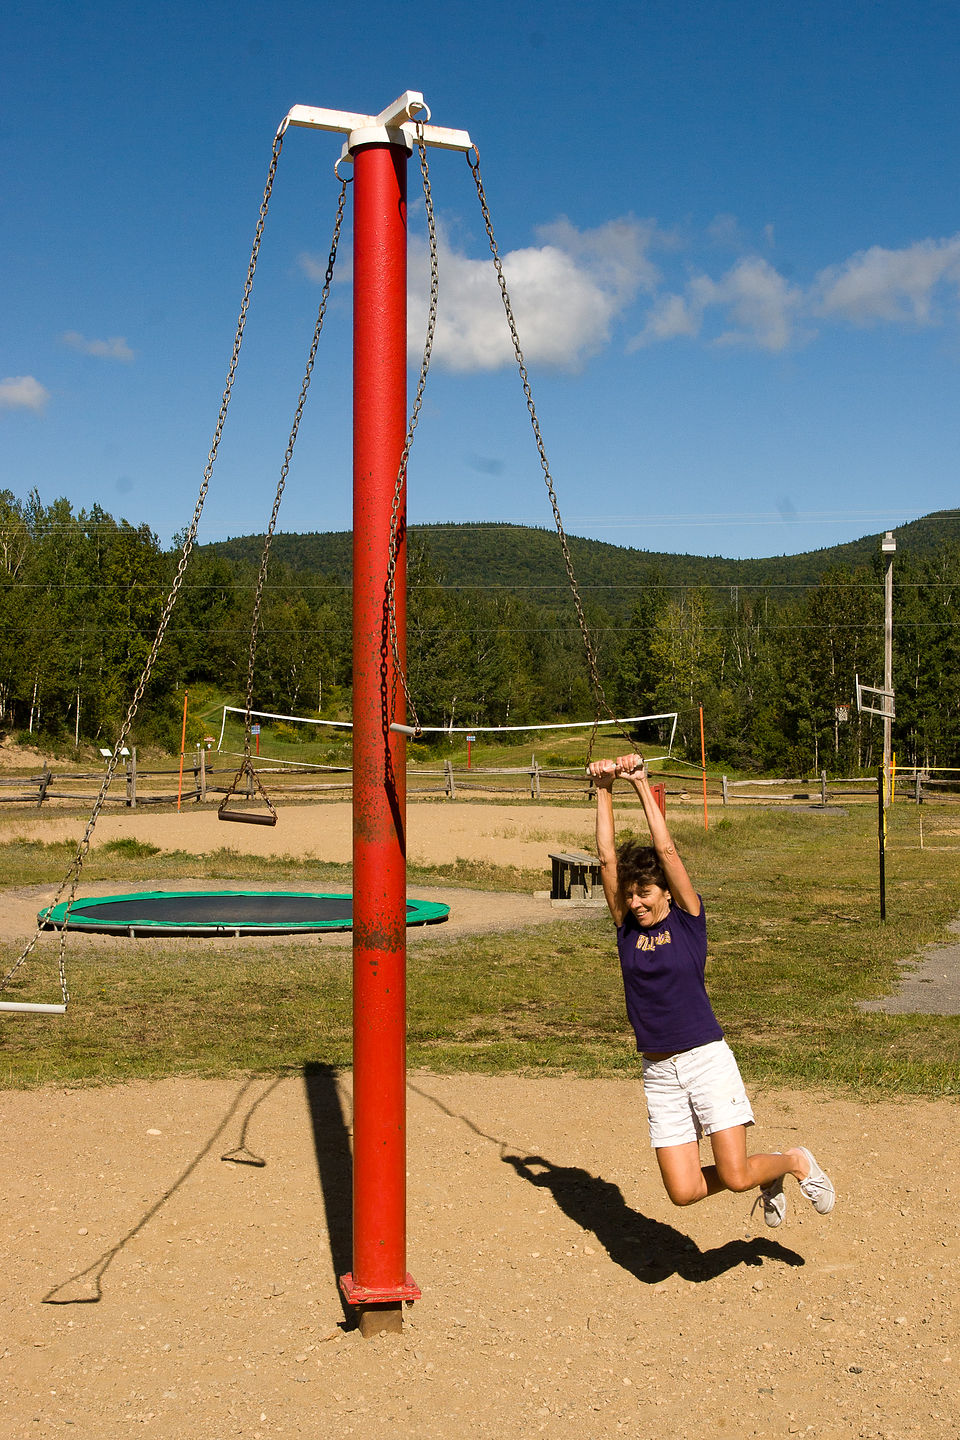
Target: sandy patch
x=437 y=833
x=563 y=1295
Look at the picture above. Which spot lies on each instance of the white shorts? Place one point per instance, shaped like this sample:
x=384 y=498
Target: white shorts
x=693 y=1094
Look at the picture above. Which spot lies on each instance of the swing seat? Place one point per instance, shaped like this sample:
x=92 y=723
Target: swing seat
x=21 y=1007
x=254 y=789
x=248 y=817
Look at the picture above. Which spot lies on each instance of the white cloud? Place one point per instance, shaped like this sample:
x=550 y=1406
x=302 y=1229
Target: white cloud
x=23 y=392
x=757 y=303
x=615 y=253
x=756 y=298
x=669 y=317
x=572 y=289
x=895 y=285
x=566 y=296
x=116 y=348
x=725 y=231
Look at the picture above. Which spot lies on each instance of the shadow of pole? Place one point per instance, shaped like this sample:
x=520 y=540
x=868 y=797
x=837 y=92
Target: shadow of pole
x=331 y=1143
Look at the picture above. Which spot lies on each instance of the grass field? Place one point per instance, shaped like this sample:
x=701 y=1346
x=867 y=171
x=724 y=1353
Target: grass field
x=795 y=942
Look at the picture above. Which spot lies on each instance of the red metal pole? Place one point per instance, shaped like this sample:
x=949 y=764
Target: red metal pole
x=379 y=1282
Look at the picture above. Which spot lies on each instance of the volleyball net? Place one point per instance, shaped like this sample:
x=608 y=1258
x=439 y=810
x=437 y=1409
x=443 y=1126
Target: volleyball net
x=659 y=729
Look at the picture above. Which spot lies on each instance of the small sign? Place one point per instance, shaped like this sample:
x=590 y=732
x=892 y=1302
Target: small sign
x=470 y=739
x=254 y=729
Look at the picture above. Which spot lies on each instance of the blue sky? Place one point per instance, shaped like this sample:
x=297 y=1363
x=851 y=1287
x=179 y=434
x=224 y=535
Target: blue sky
x=731 y=233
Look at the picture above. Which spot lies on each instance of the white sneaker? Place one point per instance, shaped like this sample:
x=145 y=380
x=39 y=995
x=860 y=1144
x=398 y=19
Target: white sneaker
x=817 y=1187
x=773 y=1201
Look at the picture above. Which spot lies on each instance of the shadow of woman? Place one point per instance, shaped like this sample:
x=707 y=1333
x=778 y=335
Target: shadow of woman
x=648 y=1249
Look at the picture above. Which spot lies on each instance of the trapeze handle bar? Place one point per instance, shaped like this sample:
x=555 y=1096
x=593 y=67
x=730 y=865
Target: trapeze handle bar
x=247 y=817
x=23 y=1008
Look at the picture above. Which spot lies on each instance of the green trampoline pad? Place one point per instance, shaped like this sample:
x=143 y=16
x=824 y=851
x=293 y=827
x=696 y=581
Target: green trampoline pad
x=219 y=912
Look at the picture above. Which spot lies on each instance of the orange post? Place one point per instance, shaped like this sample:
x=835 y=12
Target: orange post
x=703 y=763
x=183 y=746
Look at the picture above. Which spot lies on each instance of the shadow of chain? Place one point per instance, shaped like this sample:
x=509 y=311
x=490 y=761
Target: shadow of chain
x=92 y=1276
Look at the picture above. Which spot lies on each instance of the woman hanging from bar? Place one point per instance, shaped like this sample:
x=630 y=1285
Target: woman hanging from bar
x=690 y=1076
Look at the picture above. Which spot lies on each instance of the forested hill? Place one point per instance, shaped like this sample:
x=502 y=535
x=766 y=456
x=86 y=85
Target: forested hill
x=527 y=561
x=768 y=648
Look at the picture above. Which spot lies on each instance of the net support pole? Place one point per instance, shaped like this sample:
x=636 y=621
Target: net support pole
x=379 y=1283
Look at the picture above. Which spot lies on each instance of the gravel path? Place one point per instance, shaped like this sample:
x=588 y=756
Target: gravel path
x=929 y=983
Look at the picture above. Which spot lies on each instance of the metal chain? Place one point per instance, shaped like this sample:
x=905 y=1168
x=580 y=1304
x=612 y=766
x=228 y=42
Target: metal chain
x=246 y=766
x=600 y=699
x=391 y=596
x=74 y=871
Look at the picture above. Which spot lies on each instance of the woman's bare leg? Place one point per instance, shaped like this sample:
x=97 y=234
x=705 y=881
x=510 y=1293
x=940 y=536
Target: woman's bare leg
x=686 y=1181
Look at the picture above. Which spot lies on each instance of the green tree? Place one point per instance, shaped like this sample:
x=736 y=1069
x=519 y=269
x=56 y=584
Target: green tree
x=834 y=634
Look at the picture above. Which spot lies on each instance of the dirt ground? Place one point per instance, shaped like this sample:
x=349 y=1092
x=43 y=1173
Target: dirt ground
x=562 y=1294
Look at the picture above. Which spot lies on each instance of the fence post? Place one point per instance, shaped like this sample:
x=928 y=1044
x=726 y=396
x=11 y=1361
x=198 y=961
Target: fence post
x=534 y=778
x=823 y=787
x=132 y=780
x=723 y=783
x=448 y=779
x=202 y=777
x=45 y=779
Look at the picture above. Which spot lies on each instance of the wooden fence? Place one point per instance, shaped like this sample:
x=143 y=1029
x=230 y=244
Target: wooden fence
x=204 y=781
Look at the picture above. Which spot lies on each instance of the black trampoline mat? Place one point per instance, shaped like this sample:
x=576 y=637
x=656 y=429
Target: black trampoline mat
x=215 y=909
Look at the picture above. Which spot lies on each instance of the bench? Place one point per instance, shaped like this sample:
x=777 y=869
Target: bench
x=574 y=876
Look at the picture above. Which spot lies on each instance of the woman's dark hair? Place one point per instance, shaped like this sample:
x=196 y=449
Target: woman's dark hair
x=637 y=866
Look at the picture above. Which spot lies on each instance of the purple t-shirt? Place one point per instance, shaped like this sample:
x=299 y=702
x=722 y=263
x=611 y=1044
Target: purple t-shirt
x=663 y=968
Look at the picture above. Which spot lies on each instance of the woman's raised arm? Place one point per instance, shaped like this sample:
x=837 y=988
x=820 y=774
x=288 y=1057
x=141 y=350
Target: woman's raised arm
x=603 y=773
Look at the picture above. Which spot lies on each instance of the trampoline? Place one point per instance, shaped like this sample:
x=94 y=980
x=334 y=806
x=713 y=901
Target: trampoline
x=219 y=912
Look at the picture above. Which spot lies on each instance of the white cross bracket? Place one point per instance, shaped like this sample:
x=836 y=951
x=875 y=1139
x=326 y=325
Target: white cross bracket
x=887 y=708
x=397 y=125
